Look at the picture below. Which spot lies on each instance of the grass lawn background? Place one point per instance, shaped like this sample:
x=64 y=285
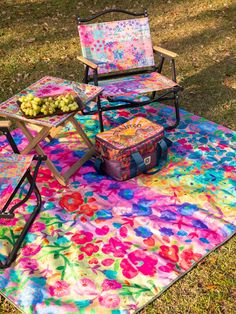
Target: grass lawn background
x=39 y=38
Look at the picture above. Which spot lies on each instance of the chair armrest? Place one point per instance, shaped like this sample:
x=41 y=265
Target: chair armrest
x=165 y=53
x=87 y=62
x=5 y=124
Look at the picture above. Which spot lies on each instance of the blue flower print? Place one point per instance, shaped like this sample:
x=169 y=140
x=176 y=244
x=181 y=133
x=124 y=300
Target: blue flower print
x=199 y=224
x=3 y=282
x=92 y=177
x=168 y=215
x=167 y=231
x=126 y=194
x=143 y=208
x=187 y=209
x=143 y=232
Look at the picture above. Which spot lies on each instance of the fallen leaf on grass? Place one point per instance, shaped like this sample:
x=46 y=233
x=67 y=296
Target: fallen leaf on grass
x=230 y=82
x=209 y=287
x=30 y=40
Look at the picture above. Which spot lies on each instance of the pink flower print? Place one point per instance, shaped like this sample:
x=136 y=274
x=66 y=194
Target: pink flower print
x=109 y=300
x=116 y=247
x=46 y=192
x=123 y=231
x=37 y=226
x=29 y=263
x=139 y=261
x=8 y=222
x=89 y=249
x=168 y=268
x=107 y=262
x=82 y=237
x=111 y=285
x=102 y=231
x=86 y=36
x=60 y=289
x=129 y=271
x=86 y=286
x=31 y=249
x=80 y=257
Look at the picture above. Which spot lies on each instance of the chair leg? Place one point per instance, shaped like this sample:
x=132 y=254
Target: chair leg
x=100 y=114
x=10 y=214
x=33 y=188
x=177 y=114
x=12 y=256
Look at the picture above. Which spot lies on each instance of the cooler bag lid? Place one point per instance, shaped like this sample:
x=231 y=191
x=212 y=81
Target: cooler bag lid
x=131 y=133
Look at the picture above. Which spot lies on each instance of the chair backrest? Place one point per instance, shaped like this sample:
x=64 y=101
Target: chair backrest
x=117 y=45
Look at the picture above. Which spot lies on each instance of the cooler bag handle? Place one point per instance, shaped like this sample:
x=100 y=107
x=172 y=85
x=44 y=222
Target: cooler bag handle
x=163 y=145
x=98 y=165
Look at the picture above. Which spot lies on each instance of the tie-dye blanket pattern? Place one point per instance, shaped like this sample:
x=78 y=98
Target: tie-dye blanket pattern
x=101 y=246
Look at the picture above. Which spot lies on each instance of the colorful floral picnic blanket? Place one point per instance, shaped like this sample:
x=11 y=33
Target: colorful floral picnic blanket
x=101 y=246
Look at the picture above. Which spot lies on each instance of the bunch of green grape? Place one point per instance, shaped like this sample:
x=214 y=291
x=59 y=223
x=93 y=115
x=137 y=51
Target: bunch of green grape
x=66 y=103
x=32 y=105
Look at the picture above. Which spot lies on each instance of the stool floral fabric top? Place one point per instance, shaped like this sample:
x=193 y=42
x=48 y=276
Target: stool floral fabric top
x=49 y=86
x=12 y=169
x=101 y=246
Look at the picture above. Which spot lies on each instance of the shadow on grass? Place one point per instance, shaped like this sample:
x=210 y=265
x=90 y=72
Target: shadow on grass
x=213 y=92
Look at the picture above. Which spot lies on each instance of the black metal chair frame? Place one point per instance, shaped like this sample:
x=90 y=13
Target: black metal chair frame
x=8 y=213
x=170 y=94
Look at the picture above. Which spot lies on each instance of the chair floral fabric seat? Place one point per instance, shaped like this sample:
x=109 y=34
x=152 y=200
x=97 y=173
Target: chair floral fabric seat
x=136 y=84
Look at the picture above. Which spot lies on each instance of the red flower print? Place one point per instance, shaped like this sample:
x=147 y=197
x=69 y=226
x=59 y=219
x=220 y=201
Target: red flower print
x=89 y=249
x=187 y=257
x=169 y=252
x=88 y=209
x=149 y=241
x=71 y=202
x=138 y=261
x=60 y=289
x=116 y=247
x=82 y=237
x=93 y=261
x=44 y=175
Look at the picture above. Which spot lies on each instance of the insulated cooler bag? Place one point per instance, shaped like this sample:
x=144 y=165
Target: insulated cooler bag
x=131 y=148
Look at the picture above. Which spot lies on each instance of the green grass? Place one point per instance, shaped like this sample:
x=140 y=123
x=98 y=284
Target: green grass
x=39 y=37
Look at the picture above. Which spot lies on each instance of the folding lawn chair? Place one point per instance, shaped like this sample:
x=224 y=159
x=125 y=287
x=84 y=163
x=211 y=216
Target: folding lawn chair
x=14 y=169
x=118 y=55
